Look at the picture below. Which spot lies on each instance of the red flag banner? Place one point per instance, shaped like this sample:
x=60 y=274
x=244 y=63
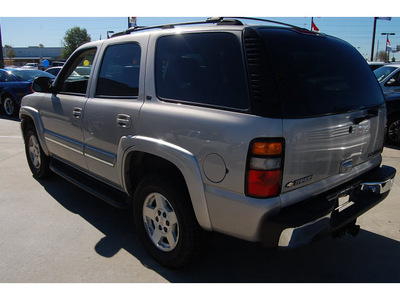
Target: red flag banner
x=388 y=46
x=314 y=27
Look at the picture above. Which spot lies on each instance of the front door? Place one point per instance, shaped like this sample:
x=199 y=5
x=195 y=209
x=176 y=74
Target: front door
x=62 y=112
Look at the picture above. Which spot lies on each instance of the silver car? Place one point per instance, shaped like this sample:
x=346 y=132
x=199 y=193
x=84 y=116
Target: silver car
x=258 y=132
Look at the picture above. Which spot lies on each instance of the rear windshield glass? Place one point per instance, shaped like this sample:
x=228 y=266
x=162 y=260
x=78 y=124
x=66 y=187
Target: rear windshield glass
x=319 y=75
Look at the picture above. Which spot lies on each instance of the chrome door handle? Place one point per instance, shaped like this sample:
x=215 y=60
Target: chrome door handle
x=77 y=112
x=124 y=120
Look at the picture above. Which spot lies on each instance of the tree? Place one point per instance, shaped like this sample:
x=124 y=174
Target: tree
x=10 y=53
x=73 y=38
x=380 y=56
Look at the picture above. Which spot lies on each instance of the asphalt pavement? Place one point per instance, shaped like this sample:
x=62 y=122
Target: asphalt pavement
x=51 y=231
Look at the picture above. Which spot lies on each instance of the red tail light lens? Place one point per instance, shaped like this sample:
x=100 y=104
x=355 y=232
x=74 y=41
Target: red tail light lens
x=264 y=168
x=264 y=183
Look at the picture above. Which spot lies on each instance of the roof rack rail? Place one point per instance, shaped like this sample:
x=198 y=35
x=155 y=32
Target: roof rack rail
x=165 y=26
x=211 y=20
x=265 y=20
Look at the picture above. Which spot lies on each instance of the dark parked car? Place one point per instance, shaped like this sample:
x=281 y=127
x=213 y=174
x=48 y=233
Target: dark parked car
x=15 y=84
x=53 y=70
x=393 y=118
x=376 y=64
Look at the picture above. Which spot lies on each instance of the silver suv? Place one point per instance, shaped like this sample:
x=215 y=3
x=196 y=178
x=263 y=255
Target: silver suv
x=270 y=134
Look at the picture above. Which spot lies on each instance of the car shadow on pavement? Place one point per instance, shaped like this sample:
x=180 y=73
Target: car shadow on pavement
x=368 y=258
x=5 y=117
x=395 y=147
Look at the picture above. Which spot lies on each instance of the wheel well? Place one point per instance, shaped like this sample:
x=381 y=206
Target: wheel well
x=5 y=94
x=140 y=164
x=26 y=122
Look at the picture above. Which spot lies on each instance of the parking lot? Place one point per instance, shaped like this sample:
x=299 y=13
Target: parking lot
x=51 y=231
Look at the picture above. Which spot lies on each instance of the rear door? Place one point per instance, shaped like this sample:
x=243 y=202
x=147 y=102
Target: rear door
x=112 y=110
x=332 y=107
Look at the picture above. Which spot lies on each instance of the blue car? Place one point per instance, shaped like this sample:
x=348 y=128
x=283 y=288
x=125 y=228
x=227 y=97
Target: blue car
x=15 y=84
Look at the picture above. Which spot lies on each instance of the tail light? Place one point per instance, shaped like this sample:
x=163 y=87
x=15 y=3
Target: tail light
x=264 y=168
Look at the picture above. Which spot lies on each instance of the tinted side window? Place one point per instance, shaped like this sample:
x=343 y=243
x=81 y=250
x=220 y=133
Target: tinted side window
x=204 y=68
x=119 y=74
x=78 y=72
x=394 y=80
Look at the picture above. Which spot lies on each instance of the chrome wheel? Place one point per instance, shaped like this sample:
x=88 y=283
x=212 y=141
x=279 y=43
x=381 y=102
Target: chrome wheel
x=394 y=132
x=34 y=151
x=160 y=222
x=9 y=106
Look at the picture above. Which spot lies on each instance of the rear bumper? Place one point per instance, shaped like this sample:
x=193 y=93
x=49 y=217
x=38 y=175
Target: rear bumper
x=329 y=213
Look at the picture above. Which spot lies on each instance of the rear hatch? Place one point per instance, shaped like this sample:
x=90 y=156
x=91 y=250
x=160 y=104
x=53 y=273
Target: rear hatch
x=330 y=103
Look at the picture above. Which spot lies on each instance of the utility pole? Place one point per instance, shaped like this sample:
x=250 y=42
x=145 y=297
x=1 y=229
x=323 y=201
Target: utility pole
x=373 y=40
x=1 y=52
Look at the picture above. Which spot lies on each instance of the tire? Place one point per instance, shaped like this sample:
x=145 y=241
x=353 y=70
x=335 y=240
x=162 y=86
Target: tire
x=393 y=130
x=38 y=161
x=10 y=107
x=166 y=223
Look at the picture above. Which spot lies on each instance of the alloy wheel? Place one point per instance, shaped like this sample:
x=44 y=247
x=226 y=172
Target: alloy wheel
x=394 y=131
x=34 y=151
x=160 y=222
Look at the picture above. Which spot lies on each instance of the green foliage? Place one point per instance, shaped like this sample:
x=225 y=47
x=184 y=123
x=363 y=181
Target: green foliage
x=10 y=53
x=73 y=38
x=380 y=56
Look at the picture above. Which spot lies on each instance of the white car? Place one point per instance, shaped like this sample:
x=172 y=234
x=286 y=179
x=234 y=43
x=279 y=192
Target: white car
x=30 y=66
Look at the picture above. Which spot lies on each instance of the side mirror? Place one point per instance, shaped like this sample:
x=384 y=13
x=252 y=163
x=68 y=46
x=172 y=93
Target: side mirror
x=42 y=84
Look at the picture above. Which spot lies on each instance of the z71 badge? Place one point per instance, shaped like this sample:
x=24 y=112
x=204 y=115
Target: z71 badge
x=298 y=181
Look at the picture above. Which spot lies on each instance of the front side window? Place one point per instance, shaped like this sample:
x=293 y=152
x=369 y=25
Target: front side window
x=394 y=80
x=201 y=68
x=78 y=73
x=119 y=73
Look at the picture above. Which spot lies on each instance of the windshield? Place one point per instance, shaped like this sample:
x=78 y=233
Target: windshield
x=383 y=72
x=318 y=75
x=29 y=75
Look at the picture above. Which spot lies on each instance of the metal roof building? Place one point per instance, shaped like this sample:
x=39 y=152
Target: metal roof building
x=32 y=55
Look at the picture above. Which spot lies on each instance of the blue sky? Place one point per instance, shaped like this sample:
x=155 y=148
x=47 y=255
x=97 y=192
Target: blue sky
x=353 y=23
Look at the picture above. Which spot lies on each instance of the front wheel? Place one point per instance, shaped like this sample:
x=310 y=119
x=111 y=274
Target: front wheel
x=38 y=161
x=166 y=223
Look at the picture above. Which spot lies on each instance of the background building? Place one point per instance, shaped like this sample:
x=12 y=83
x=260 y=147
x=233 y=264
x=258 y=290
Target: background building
x=33 y=54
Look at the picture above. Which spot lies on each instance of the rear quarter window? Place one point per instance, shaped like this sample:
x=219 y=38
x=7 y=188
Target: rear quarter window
x=201 y=68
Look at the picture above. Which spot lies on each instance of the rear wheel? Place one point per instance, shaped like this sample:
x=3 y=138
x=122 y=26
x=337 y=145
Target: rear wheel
x=38 y=161
x=166 y=223
x=393 y=130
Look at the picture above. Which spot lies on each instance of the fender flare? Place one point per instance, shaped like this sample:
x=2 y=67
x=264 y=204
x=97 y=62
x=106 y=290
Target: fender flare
x=33 y=114
x=185 y=162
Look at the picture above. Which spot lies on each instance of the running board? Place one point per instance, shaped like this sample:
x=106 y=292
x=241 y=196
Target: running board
x=95 y=187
